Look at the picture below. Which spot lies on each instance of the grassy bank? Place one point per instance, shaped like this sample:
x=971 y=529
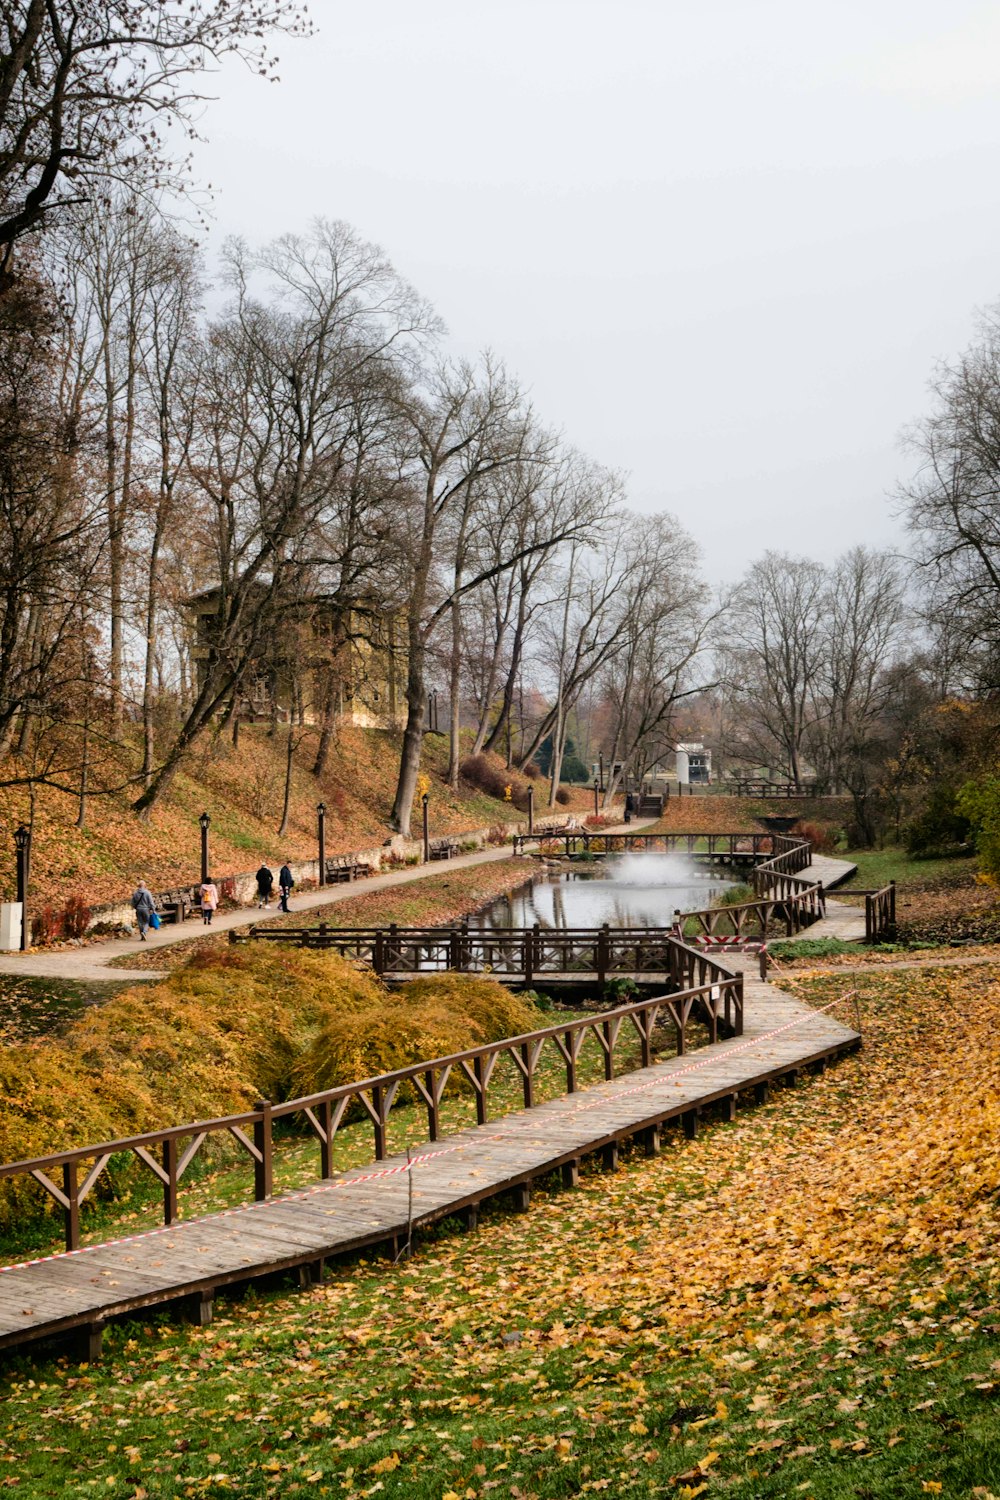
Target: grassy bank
x=225 y=1029
x=801 y=1303
x=242 y=788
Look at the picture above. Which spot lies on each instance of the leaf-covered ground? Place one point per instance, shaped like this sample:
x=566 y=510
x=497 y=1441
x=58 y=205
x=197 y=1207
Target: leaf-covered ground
x=803 y=1303
x=242 y=788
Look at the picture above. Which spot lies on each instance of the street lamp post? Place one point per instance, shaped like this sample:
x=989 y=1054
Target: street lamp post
x=427 y=837
x=596 y=788
x=531 y=808
x=22 y=843
x=204 y=820
x=321 y=839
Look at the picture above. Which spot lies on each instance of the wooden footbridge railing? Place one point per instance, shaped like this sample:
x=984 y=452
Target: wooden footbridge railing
x=717 y=848
x=880 y=913
x=783 y=897
x=513 y=954
x=717 y=1001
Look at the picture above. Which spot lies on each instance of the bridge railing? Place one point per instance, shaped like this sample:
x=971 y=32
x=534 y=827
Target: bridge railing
x=880 y=913
x=524 y=953
x=167 y=1154
x=721 y=846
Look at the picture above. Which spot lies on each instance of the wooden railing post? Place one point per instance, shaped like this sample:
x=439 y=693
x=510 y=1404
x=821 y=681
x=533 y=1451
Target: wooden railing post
x=570 y=1064
x=378 y=956
x=603 y=953
x=478 y=1069
x=71 y=1213
x=609 y=1061
x=381 y=1134
x=528 y=1075
x=263 y=1167
x=170 y=1184
x=433 y=1108
x=869 y=918
x=326 y=1140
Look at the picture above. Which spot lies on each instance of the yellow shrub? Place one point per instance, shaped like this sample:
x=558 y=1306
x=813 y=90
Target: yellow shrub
x=229 y=1027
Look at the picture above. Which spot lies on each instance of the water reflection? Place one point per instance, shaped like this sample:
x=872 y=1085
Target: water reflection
x=635 y=890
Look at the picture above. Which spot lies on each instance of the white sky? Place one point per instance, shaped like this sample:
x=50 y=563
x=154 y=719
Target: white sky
x=722 y=244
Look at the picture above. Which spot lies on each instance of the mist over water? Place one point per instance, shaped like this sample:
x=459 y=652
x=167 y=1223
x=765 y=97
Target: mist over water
x=635 y=890
x=659 y=869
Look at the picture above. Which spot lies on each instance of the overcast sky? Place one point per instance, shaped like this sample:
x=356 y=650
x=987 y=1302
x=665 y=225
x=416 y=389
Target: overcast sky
x=722 y=244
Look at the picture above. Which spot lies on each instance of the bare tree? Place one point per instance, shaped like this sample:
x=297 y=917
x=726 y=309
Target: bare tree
x=953 y=502
x=772 y=654
x=87 y=86
x=272 y=438
x=664 y=636
x=864 y=618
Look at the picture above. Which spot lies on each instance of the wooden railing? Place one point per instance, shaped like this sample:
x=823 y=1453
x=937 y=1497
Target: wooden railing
x=168 y=1153
x=521 y=954
x=783 y=897
x=755 y=786
x=758 y=920
x=880 y=914
x=725 y=847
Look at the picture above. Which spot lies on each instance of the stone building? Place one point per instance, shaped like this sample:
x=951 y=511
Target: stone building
x=323 y=656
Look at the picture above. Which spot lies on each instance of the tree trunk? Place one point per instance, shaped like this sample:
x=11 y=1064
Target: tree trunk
x=454 y=708
x=289 y=752
x=149 y=667
x=413 y=734
x=510 y=682
x=81 y=807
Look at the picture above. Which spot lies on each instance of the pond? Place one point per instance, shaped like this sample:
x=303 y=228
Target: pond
x=632 y=890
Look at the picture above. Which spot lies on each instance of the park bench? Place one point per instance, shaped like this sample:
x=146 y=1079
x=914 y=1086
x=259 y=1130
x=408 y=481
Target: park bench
x=342 y=867
x=177 y=906
x=443 y=849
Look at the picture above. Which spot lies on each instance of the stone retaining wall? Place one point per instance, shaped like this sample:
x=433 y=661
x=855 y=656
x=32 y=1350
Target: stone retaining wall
x=242 y=888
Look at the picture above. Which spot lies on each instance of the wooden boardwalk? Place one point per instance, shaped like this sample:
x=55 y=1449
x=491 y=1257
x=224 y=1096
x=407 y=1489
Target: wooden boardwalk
x=383 y=1204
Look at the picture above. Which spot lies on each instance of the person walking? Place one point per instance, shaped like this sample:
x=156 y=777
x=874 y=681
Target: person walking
x=144 y=906
x=209 y=896
x=265 y=885
x=629 y=807
x=285 y=883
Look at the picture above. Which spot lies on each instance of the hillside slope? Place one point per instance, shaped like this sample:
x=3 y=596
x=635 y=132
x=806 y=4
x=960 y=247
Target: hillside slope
x=242 y=789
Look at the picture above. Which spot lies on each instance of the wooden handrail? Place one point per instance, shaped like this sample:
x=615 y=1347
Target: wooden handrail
x=718 y=1000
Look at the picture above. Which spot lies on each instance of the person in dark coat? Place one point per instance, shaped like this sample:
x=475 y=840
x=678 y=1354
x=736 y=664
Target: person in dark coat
x=629 y=807
x=285 y=883
x=265 y=885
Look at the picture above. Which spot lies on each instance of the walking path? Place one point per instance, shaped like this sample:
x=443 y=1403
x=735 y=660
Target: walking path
x=91 y=962
x=782 y=1037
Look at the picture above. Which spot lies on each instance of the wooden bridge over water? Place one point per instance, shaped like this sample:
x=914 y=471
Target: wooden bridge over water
x=758 y=1037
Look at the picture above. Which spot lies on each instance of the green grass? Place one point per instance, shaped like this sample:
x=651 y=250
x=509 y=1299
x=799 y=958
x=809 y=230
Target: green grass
x=876 y=867
x=833 y=947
